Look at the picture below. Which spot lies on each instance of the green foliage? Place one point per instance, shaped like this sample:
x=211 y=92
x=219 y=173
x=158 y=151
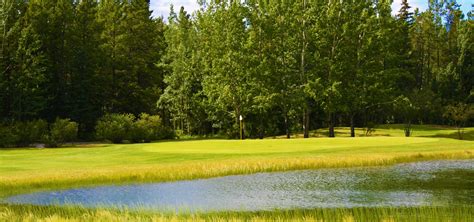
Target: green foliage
x=120 y=127
x=408 y=112
x=31 y=131
x=8 y=137
x=459 y=113
x=182 y=96
x=24 y=133
x=283 y=65
x=61 y=131
x=114 y=127
x=146 y=128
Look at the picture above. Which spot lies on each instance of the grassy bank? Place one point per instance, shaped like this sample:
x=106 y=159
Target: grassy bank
x=37 y=213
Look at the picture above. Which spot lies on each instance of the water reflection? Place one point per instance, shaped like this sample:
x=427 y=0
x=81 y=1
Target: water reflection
x=433 y=183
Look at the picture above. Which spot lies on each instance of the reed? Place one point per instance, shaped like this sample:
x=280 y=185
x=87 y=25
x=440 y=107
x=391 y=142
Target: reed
x=56 y=213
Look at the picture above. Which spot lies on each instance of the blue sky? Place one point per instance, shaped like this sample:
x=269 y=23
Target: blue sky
x=162 y=7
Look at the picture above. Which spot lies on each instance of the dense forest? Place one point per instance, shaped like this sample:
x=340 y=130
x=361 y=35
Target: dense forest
x=284 y=66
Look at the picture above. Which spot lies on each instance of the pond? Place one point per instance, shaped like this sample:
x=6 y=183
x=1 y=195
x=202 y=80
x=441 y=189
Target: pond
x=432 y=183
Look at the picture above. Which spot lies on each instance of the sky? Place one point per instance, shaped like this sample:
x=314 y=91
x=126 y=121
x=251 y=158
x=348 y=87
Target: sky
x=162 y=7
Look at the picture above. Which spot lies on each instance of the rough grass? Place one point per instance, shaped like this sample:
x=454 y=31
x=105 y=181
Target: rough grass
x=30 y=170
x=40 y=213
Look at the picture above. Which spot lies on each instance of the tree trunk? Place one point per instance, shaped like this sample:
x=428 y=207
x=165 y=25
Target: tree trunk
x=243 y=130
x=352 y=126
x=306 y=122
x=331 y=125
x=408 y=129
x=287 y=127
x=460 y=132
x=303 y=71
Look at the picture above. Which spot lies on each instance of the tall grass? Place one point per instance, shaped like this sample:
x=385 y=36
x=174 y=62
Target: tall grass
x=38 y=213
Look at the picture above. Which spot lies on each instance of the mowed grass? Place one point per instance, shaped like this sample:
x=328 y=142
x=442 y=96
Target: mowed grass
x=30 y=170
x=396 y=130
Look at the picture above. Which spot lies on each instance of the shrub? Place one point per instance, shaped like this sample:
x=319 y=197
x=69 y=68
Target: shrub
x=19 y=134
x=148 y=128
x=144 y=128
x=31 y=132
x=61 y=131
x=459 y=113
x=166 y=133
x=114 y=127
x=8 y=137
x=158 y=130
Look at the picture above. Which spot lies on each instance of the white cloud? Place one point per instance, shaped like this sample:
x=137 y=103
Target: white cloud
x=162 y=7
x=423 y=5
x=420 y=4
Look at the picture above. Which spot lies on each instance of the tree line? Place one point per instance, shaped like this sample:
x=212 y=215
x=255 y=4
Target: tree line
x=284 y=66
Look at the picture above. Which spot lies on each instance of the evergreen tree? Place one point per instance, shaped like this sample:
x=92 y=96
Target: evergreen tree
x=404 y=13
x=85 y=94
x=110 y=17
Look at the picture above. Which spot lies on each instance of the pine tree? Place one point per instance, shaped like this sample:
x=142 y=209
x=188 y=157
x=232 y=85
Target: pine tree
x=404 y=13
x=55 y=29
x=142 y=51
x=29 y=80
x=129 y=41
x=110 y=17
x=85 y=94
x=8 y=41
x=24 y=64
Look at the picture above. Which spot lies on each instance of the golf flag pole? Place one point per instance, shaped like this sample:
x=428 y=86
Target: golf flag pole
x=241 y=118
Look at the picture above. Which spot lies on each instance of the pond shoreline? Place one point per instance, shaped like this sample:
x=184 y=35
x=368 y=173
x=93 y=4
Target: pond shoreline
x=317 y=188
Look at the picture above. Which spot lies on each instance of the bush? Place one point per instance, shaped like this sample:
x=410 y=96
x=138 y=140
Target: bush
x=8 y=137
x=26 y=133
x=31 y=132
x=114 y=127
x=144 y=128
x=61 y=131
x=20 y=134
x=166 y=133
x=120 y=127
x=148 y=128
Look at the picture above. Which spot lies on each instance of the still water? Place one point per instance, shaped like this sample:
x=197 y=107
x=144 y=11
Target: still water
x=432 y=183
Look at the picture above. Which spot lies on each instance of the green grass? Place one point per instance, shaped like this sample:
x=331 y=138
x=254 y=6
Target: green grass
x=396 y=130
x=29 y=170
x=41 y=213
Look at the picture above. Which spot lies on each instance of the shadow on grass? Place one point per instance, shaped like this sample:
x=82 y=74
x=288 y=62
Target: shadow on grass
x=75 y=145
x=469 y=135
x=416 y=127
